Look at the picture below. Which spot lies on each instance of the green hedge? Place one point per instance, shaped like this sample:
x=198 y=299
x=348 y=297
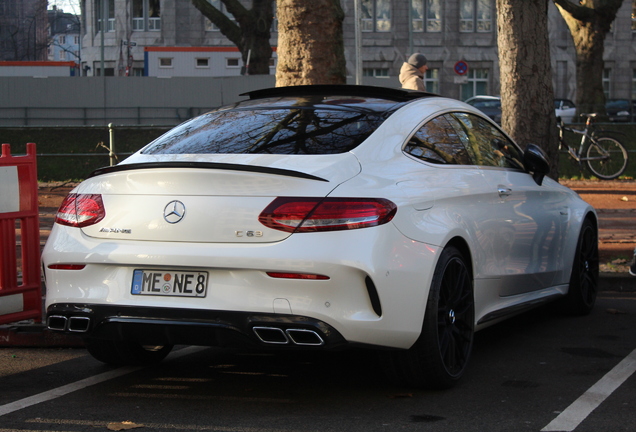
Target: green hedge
x=95 y=140
x=90 y=142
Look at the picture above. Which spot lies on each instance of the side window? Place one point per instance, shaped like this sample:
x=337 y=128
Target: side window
x=438 y=142
x=486 y=144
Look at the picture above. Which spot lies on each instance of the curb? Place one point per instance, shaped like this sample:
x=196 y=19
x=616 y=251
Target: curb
x=36 y=335
x=617 y=282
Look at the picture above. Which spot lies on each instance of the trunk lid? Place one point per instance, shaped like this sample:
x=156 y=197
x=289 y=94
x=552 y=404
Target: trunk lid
x=207 y=202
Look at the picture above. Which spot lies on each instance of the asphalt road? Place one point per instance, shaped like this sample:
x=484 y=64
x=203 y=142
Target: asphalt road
x=538 y=371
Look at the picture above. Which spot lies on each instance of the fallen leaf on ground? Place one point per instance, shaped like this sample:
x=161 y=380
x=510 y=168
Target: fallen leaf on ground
x=125 y=425
x=616 y=311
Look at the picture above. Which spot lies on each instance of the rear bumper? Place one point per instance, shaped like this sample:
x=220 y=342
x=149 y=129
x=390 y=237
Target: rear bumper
x=161 y=326
x=375 y=295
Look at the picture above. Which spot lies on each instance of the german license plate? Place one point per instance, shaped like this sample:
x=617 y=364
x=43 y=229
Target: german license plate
x=173 y=283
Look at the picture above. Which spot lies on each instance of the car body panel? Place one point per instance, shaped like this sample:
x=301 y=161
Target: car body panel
x=489 y=105
x=565 y=109
x=238 y=279
x=519 y=237
x=232 y=199
x=619 y=110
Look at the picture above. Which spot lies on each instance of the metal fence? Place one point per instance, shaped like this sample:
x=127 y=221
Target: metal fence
x=100 y=116
x=72 y=101
x=79 y=101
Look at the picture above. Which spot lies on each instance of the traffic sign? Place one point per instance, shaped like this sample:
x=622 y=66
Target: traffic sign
x=461 y=67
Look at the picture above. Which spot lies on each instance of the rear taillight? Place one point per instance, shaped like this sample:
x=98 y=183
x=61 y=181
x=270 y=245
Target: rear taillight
x=292 y=214
x=81 y=210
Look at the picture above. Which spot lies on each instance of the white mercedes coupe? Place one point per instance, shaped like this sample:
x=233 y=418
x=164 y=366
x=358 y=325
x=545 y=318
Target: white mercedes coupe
x=316 y=218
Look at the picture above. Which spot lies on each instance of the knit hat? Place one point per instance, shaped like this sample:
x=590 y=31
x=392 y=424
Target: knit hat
x=417 y=60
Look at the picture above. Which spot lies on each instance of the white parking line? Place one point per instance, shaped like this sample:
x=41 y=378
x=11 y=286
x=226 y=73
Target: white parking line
x=573 y=415
x=78 y=385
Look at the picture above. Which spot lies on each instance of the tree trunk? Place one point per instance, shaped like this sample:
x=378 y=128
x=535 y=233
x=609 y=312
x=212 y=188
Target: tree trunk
x=256 y=34
x=589 y=22
x=527 y=95
x=250 y=33
x=310 y=43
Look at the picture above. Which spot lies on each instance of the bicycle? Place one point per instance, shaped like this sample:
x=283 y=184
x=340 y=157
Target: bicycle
x=605 y=157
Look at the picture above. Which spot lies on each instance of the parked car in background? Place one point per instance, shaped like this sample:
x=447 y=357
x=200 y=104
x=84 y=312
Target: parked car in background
x=564 y=110
x=489 y=105
x=619 y=110
x=317 y=218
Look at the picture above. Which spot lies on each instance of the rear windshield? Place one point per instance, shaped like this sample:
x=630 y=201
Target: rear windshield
x=273 y=129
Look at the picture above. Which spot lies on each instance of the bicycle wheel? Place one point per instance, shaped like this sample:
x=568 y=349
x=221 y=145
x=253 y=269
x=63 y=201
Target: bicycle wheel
x=606 y=158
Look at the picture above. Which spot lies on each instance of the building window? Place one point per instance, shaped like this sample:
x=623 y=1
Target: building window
x=475 y=15
x=61 y=40
x=76 y=40
x=477 y=83
x=209 y=25
x=426 y=15
x=165 y=62
x=376 y=15
x=146 y=15
x=376 y=72
x=431 y=81
x=62 y=55
x=107 y=12
x=203 y=62
x=607 y=88
x=634 y=84
x=233 y=62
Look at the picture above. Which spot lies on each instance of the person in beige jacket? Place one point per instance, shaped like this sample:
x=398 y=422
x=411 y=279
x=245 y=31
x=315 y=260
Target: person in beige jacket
x=412 y=73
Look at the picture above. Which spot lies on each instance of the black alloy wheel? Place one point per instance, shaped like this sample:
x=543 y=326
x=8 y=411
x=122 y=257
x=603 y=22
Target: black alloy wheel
x=439 y=357
x=583 y=289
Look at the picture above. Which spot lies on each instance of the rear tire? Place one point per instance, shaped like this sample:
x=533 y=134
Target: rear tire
x=121 y=353
x=614 y=165
x=583 y=289
x=439 y=357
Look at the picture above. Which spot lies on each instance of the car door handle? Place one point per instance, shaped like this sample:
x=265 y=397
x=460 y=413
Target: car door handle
x=504 y=192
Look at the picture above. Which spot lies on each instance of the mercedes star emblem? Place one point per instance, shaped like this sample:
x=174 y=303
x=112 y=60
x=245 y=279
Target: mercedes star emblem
x=174 y=212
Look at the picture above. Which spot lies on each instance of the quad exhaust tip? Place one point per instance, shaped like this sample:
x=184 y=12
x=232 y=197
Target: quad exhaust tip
x=76 y=324
x=278 y=336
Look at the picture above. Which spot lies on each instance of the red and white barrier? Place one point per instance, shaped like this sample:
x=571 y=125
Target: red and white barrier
x=20 y=292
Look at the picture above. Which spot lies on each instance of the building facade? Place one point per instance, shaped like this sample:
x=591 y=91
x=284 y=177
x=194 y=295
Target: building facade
x=23 y=30
x=457 y=36
x=64 y=36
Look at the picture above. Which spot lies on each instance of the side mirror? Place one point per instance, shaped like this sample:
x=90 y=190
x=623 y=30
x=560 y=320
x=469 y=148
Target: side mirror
x=535 y=160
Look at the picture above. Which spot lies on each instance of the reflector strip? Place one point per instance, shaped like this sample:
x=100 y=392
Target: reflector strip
x=67 y=266
x=280 y=275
